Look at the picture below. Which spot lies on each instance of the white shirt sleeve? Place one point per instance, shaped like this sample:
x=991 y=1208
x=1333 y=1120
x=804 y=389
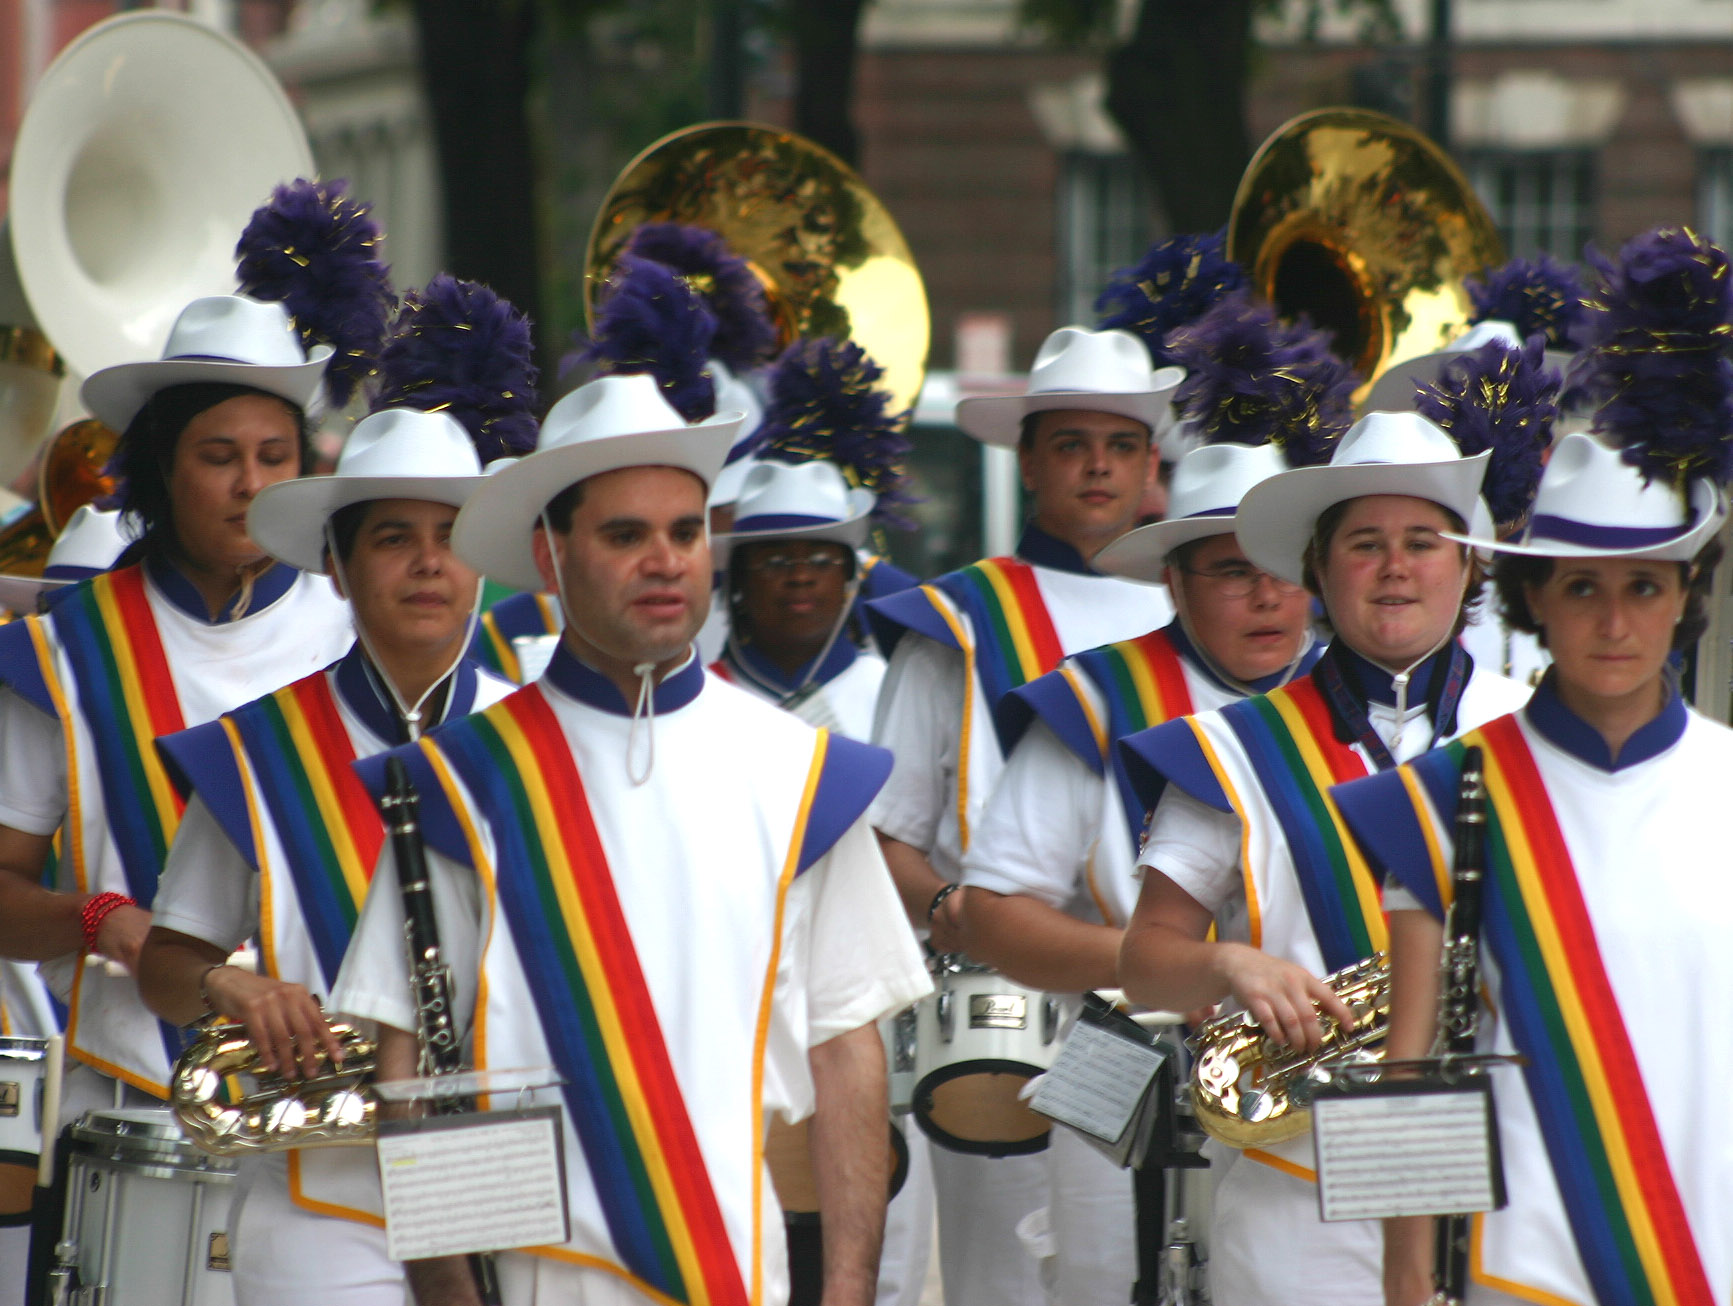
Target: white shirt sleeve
x=859 y=957
x=373 y=983
x=32 y=766
x=1195 y=846
x=207 y=890
x=919 y=718
x=1042 y=820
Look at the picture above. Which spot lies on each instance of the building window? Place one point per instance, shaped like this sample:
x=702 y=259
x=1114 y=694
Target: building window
x=1106 y=221
x=1543 y=202
x=1715 y=195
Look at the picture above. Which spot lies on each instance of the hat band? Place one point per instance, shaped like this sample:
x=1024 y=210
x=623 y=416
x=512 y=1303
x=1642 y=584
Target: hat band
x=1211 y=512
x=745 y=448
x=782 y=521
x=1594 y=536
x=69 y=571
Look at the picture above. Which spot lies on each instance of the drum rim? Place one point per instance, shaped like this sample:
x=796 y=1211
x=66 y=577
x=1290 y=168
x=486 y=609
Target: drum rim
x=969 y=1146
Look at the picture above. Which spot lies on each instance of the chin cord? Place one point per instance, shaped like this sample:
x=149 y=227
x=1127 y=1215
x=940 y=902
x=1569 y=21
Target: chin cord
x=1399 y=679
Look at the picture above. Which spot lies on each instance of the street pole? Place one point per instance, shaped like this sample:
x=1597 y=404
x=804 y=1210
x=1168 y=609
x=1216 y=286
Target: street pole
x=1438 y=75
x=727 y=85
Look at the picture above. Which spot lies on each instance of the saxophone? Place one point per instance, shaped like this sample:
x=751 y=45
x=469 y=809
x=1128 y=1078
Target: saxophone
x=1250 y=1091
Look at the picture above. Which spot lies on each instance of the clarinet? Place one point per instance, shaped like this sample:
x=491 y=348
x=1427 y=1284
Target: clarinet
x=1459 y=993
x=429 y=975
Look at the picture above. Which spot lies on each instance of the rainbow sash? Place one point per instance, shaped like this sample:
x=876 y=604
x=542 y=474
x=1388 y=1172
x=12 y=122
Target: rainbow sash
x=512 y=617
x=1014 y=636
x=1600 y=1132
x=300 y=751
x=1142 y=682
x=1291 y=745
x=555 y=887
x=127 y=696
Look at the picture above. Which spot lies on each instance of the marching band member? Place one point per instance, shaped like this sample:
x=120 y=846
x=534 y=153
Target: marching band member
x=717 y=847
x=1049 y=876
x=278 y=834
x=958 y=645
x=1243 y=836
x=1605 y=894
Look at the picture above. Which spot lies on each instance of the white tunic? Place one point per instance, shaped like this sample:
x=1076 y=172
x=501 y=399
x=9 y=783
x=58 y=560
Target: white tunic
x=1648 y=849
x=297 y=624
x=691 y=852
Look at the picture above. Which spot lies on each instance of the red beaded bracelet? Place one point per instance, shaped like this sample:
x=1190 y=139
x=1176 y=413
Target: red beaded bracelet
x=96 y=911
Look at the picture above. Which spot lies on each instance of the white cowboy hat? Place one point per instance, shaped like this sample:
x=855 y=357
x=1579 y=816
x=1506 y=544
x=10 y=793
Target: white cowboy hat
x=227 y=338
x=1394 y=391
x=734 y=395
x=88 y=545
x=1593 y=504
x=610 y=423
x=1207 y=487
x=1382 y=453
x=1095 y=371
x=802 y=501
x=398 y=453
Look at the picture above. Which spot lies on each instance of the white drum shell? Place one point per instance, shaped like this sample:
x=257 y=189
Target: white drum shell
x=146 y=1213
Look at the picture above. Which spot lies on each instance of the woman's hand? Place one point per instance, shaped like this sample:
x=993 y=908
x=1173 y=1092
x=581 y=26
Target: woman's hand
x=1283 y=998
x=285 y=1022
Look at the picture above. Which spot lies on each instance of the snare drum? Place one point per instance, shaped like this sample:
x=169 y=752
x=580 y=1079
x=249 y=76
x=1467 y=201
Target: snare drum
x=23 y=1071
x=147 y=1215
x=978 y=1041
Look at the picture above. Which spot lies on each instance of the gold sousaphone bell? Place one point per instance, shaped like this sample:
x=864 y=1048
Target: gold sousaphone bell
x=1363 y=224
x=831 y=257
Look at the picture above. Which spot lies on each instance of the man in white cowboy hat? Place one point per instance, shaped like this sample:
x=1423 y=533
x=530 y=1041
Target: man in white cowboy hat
x=790 y=571
x=1244 y=838
x=701 y=884
x=958 y=644
x=1050 y=875
x=201 y=621
x=279 y=834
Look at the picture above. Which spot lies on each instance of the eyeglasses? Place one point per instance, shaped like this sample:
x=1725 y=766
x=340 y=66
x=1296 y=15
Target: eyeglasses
x=782 y=563
x=1240 y=582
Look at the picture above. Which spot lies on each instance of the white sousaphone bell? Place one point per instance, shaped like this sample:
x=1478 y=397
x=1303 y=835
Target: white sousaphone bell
x=144 y=150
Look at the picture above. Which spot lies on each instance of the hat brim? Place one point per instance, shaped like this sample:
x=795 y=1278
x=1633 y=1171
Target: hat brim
x=850 y=531
x=115 y=394
x=1709 y=506
x=494 y=530
x=288 y=519
x=1141 y=554
x=1275 y=519
x=998 y=419
x=18 y=594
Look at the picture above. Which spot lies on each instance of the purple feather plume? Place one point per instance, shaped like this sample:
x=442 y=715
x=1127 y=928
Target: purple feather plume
x=650 y=320
x=1505 y=400
x=1252 y=379
x=1659 y=370
x=1535 y=295
x=459 y=348
x=745 y=334
x=826 y=403
x=315 y=251
x=1179 y=280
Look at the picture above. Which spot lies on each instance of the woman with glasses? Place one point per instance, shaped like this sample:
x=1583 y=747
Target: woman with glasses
x=1249 y=893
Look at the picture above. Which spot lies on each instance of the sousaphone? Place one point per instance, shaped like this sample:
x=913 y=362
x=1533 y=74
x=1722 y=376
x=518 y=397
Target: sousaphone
x=1363 y=224
x=831 y=257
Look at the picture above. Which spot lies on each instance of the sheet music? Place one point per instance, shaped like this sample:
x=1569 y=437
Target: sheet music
x=1405 y=1153
x=475 y=1183
x=1098 y=1082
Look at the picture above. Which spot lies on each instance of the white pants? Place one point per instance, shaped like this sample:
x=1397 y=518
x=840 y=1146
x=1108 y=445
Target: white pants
x=1092 y=1216
x=1269 y=1248
x=981 y=1200
x=909 y=1226
x=14 y=1263
x=285 y=1256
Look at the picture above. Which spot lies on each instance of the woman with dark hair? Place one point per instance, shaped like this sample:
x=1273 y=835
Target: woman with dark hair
x=1605 y=892
x=1243 y=836
x=197 y=619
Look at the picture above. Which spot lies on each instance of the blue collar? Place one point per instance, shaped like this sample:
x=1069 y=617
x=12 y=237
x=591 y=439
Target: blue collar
x=362 y=692
x=1176 y=636
x=268 y=587
x=761 y=670
x=576 y=679
x=1037 y=547
x=1376 y=685
x=1547 y=713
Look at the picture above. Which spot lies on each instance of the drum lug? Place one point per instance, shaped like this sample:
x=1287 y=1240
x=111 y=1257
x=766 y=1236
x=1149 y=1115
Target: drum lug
x=946 y=1016
x=1049 y=1018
